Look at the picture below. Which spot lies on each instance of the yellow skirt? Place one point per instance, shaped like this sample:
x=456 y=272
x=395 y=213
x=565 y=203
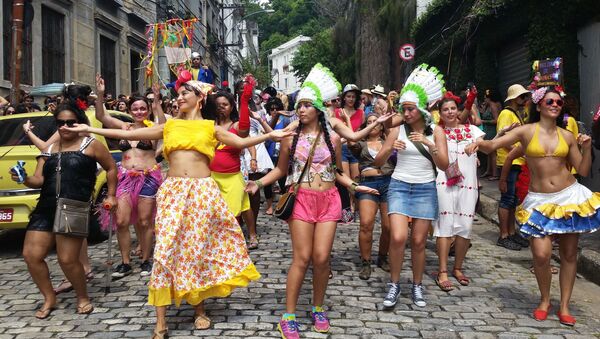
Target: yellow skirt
x=232 y=189
x=200 y=249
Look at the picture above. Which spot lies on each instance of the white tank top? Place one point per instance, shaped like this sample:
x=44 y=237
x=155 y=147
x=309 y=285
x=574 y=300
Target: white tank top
x=412 y=167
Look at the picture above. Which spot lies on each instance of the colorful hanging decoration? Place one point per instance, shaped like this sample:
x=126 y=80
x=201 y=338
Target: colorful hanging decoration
x=176 y=37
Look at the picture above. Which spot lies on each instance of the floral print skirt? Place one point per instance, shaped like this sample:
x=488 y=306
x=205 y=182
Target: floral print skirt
x=200 y=250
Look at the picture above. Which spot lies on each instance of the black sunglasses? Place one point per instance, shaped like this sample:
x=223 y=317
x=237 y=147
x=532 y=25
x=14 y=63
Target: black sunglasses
x=559 y=102
x=69 y=123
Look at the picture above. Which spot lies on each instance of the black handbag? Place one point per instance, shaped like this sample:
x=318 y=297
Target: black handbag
x=72 y=216
x=285 y=205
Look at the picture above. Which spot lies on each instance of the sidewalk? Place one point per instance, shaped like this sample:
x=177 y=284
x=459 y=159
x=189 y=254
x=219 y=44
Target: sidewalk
x=589 y=244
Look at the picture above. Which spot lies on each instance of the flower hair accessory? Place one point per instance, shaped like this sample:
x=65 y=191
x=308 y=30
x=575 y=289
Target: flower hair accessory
x=450 y=95
x=81 y=104
x=538 y=94
x=185 y=77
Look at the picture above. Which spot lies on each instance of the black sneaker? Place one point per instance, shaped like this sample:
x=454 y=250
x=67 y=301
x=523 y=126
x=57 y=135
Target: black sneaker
x=517 y=238
x=121 y=271
x=146 y=268
x=508 y=244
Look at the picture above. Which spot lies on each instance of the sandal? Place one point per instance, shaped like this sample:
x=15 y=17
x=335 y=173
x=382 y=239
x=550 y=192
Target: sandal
x=269 y=211
x=64 y=287
x=445 y=285
x=164 y=334
x=462 y=279
x=553 y=269
x=330 y=274
x=85 y=309
x=89 y=276
x=44 y=313
x=202 y=322
x=253 y=243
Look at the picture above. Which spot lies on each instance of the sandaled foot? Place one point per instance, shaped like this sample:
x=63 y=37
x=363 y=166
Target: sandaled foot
x=89 y=276
x=566 y=319
x=460 y=277
x=444 y=285
x=64 y=287
x=269 y=211
x=86 y=308
x=201 y=322
x=44 y=312
x=163 y=334
x=253 y=243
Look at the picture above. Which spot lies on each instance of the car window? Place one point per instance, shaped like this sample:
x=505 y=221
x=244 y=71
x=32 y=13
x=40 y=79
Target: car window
x=12 y=129
x=113 y=144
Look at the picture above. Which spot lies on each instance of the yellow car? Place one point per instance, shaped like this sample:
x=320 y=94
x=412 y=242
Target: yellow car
x=16 y=200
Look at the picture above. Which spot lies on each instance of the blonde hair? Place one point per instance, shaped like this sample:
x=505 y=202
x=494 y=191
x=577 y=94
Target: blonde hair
x=284 y=99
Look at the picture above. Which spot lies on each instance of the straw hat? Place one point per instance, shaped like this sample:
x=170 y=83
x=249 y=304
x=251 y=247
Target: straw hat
x=514 y=91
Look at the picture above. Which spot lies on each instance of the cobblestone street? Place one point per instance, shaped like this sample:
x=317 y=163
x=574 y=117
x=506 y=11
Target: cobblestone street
x=498 y=303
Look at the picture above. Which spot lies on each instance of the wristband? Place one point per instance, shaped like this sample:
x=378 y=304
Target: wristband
x=259 y=184
x=353 y=187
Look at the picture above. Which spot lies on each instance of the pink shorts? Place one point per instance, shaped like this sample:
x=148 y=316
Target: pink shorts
x=317 y=206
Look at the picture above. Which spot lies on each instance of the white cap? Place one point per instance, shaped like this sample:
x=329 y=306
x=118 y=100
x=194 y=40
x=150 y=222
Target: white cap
x=195 y=55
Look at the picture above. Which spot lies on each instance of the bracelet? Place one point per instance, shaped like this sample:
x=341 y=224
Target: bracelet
x=434 y=151
x=259 y=184
x=353 y=187
x=252 y=160
x=27 y=131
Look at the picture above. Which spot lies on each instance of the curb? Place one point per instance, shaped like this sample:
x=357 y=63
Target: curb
x=588 y=261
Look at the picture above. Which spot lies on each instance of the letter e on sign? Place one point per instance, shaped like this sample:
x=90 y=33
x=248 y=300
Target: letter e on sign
x=407 y=52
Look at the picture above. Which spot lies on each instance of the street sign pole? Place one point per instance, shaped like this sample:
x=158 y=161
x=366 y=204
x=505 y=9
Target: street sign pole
x=16 y=55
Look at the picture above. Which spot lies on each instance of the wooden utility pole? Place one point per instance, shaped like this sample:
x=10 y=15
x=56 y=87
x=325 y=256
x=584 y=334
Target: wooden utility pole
x=16 y=55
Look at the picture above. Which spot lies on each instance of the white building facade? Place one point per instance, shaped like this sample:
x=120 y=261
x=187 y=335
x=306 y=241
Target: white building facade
x=280 y=59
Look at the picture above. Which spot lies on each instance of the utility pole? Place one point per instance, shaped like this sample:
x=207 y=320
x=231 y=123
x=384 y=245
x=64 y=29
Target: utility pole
x=16 y=55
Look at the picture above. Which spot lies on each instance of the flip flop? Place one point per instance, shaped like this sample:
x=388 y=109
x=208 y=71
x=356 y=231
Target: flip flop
x=85 y=309
x=89 y=276
x=64 y=287
x=202 y=322
x=44 y=313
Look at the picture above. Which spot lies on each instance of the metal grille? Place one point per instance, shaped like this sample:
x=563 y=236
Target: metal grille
x=53 y=46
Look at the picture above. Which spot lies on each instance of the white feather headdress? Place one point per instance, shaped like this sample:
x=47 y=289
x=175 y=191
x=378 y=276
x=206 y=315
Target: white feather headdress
x=319 y=86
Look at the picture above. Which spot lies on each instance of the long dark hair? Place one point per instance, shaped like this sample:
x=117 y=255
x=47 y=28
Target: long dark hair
x=234 y=115
x=324 y=127
x=534 y=115
x=68 y=105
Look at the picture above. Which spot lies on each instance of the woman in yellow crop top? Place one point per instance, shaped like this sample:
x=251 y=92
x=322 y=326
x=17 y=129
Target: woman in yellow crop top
x=200 y=249
x=556 y=205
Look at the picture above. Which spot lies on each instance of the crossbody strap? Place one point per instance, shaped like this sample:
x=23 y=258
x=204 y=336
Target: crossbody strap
x=58 y=170
x=308 y=161
x=420 y=148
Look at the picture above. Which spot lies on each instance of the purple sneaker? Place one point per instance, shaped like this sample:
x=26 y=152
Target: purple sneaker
x=321 y=322
x=288 y=329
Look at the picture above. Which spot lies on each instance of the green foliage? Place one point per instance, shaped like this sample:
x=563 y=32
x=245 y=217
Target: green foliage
x=260 y=72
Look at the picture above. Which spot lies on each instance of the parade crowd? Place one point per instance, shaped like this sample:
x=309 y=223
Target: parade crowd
x=194 y=168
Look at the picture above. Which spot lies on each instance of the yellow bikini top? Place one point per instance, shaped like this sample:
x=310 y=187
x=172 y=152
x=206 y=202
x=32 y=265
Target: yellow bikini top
x=194 y=135
x=536 y=150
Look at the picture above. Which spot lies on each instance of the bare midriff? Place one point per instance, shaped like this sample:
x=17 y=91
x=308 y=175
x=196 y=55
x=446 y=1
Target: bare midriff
x=138 y=159
x=317 y=184
x=188 y=164
x=549 y=174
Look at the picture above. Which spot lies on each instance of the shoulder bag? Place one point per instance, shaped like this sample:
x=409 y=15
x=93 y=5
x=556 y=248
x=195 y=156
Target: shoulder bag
x=285 y=205
x=72 y=216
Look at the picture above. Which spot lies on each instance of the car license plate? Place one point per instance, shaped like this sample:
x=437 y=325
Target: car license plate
x=6 y=214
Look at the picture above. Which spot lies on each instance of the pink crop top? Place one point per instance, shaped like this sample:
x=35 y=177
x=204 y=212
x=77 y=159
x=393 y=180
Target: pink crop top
x=321 y=162
x=227 y=158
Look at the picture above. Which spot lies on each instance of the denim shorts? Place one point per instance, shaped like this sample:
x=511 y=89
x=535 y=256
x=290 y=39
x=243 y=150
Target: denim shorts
x=413 y=200
x=378 y=182
x=347 y=156
x=509 y=200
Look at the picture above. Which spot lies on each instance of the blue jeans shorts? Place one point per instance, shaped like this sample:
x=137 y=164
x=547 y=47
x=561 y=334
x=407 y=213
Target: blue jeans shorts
x=378 y=182
x=509 y=199
x=418 y=201
x=347 y=156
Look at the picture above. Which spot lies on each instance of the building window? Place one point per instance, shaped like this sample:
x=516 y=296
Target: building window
x=134 y=64
x=108 y=65
x=53 y=46
x=286 y=83
x=26 y=77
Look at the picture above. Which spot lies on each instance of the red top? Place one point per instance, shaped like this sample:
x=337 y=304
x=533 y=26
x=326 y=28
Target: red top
x=355 y=120
x=227 y=158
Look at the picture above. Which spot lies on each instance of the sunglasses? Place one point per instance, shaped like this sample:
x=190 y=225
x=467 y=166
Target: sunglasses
x=559 y=102
x=69 y=123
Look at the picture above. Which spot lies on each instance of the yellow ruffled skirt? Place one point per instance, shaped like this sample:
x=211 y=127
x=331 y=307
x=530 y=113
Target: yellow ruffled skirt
x=574 y=209
x=232 y=187
x=200 y=249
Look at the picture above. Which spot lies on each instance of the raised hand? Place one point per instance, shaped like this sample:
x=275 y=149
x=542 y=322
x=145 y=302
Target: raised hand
x=100 y=87
x=279 y=134
x=385 y=117
x=78 y=128
x=28 y=126
x=585 y=141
